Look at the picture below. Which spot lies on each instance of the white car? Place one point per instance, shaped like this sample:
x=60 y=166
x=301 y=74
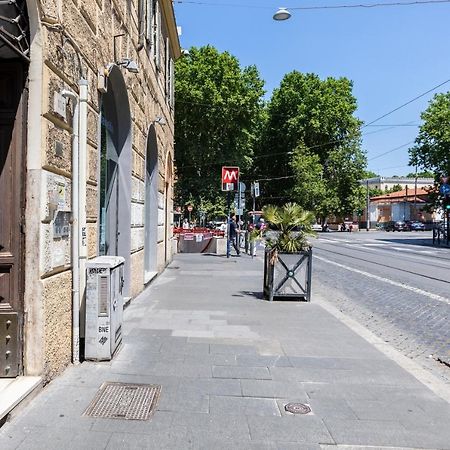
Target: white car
x=316 y=227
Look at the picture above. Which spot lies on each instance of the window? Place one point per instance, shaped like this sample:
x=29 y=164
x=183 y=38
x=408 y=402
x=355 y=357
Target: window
x=149 y=23
x=157 y=35
x=172 y=83
x=153 y=31
x=167 y=69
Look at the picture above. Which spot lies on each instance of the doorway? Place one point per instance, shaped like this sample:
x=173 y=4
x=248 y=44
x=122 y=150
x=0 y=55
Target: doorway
x=13 y=110
x=151 y=206
x=115 y=173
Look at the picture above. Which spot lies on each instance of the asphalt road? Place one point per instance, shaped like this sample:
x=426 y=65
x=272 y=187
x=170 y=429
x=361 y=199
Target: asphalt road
x=396 y=284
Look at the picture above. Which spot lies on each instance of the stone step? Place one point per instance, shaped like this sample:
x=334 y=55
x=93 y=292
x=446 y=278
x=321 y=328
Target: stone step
x=14 y=390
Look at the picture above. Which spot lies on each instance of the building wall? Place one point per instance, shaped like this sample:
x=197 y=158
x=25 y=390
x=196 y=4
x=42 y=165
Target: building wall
x=385 y=183
x=76 y=38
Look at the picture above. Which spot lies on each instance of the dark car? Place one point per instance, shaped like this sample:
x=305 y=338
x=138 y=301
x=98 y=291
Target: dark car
x=416 y=226
x=397 y=226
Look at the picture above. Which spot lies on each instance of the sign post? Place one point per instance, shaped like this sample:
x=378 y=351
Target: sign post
x=230 y=182
x=445 y=192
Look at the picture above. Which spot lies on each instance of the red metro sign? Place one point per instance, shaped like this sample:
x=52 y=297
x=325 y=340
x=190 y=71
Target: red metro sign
x=230 y=178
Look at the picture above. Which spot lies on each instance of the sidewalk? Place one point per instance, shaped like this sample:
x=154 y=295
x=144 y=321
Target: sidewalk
x=228 y=362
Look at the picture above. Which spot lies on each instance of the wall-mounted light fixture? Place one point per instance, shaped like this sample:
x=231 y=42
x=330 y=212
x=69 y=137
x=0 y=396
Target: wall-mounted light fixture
x=126 y=63
x=160 y=120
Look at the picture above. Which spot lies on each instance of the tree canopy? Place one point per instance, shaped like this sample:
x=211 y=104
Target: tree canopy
x=432 y=145
x=217 y=115
x=311 y=145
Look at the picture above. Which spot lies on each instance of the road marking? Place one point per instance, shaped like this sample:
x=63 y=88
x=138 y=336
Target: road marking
x=388 y=281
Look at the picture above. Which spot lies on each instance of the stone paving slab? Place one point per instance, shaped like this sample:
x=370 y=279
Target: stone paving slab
x=228 y=362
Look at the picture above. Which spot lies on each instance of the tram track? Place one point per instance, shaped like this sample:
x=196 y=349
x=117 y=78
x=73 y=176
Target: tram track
x=387 y=266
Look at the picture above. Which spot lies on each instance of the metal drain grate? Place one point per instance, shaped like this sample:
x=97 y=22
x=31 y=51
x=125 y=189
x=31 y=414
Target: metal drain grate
x=124 y=401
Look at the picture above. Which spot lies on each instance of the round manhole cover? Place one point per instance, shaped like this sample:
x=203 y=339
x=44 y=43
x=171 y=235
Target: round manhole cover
x=297 y=408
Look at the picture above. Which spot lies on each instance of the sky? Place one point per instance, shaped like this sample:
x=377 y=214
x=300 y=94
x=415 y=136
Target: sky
x=392 y=55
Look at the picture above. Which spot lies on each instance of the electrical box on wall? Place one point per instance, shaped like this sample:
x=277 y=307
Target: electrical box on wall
x=59 y=105
x=104 y=307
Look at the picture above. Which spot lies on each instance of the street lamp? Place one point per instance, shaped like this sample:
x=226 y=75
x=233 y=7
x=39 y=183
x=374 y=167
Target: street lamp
x=282 y=14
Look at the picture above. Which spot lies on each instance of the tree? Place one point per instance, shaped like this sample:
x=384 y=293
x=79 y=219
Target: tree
x=311 y=145
x=432 y=146
x=422 y=174
x=395 y=188
x=370 y=174
x=218 y=106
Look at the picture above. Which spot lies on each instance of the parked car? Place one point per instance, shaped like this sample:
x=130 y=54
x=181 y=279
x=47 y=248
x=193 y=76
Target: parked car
x=416 y=226
x=397 y=226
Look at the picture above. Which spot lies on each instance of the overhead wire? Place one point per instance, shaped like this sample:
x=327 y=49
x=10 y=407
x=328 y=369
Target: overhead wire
x=318 y=7
x=390 y=151
x=405 y=104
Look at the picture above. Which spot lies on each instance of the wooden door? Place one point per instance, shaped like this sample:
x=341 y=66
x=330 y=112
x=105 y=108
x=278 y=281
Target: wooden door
x=12 y=176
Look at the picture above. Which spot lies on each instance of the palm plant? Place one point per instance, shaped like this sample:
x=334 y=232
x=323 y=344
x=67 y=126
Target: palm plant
x=291 y=226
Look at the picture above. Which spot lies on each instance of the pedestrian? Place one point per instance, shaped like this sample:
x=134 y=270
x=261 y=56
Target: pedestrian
x=185 y=224
x=234 y=233
x=261 y=225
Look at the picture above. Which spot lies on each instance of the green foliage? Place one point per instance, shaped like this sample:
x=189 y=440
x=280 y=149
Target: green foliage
x=375 y=192
x=370 y=174
x=422 y=174
x=217 y=115
x=314 y=142
x=432 y=147
x=289 y=226
x=395 y=188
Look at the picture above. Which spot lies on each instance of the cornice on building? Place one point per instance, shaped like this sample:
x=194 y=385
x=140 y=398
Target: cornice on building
x=381 y=180
x=169 y=17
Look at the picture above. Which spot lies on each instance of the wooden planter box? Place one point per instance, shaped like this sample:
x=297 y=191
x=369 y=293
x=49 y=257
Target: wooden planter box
x=288 y=275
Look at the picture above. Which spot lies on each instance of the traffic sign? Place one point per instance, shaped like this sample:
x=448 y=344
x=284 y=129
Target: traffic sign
x=256 y=189
x=444 y=189
x=230 y=178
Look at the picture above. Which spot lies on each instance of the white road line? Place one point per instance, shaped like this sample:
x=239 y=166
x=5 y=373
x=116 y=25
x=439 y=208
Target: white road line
x=388 y=281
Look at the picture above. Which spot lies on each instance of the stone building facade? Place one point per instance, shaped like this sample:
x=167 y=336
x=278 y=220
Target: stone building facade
x=94 y=79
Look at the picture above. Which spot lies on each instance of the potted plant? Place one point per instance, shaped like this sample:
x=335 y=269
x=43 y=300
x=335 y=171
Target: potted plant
x=288 y=254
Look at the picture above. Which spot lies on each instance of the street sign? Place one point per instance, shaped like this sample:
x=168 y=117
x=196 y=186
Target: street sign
x=230 y=178
x=256 y=189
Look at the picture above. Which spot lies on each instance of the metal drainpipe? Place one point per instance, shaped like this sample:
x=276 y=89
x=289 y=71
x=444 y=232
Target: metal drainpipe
x=75 y=230
x=83 y=86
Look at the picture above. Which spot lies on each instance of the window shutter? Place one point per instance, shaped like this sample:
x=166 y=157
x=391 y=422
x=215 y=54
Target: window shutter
x=172 y=83
x=167 y=70
x=149 y=23
x=157 y=37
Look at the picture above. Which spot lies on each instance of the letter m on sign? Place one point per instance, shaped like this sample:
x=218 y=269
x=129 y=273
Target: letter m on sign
x=230 y=178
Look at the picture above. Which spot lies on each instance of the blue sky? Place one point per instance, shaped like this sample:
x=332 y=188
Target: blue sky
x=392 y=54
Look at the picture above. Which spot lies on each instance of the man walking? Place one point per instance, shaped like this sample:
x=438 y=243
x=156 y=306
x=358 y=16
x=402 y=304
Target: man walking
x=233 y=234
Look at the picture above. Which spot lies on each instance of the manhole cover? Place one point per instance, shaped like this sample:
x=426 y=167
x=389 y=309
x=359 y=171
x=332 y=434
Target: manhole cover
x=124 y=401
x=297 y=408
